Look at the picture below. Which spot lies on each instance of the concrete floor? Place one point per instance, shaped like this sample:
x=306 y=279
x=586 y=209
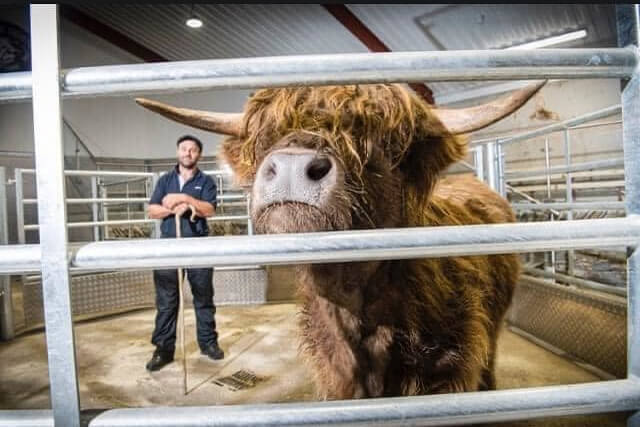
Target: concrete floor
x=112 y=352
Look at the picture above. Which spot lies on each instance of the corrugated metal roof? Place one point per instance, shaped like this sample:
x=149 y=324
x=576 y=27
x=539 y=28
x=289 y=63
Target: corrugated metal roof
x=240 y=30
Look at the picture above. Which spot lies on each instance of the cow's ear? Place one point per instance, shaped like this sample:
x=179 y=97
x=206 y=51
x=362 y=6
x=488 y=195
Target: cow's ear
x=232 y=153
x=430 y=154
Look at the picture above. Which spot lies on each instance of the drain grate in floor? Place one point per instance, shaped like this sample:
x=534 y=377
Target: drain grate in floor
x=239 y=380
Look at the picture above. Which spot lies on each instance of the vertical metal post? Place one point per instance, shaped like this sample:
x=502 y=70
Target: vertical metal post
x=500 y=168
x=7 y=330
x=20 y=206
x=491 y=164
x=478 y=162
x=249 y=222
x=49 y=156
x=94 y=208
x=631 y=145
x=571 y=254
x=126 y=192
x=547 y=165
x=105 y=212
x=156 y=226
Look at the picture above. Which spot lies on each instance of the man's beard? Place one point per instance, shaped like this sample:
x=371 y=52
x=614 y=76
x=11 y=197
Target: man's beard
x=187 y=165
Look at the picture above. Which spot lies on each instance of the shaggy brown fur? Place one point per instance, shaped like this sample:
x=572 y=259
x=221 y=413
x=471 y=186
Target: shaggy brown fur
x=384 y=328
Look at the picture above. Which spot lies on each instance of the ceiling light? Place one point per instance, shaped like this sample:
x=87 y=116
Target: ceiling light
x=194 y=22
x=550 y=41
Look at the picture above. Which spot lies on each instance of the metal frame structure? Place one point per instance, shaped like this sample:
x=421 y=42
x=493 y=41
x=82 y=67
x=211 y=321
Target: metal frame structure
x=53 y=259
x=104 y=201
x=498 y=178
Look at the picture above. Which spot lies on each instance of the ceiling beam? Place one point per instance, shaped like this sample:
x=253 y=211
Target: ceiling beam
x=370 y=40
x=109 y=34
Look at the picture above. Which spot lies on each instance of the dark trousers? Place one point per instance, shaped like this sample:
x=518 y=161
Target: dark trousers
x=166 y=282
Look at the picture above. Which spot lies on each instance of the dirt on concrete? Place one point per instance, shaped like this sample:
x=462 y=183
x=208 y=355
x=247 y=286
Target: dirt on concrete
x=111 y=354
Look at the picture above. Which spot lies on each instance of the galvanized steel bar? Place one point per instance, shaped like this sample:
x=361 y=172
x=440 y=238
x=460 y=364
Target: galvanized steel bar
x=444 y=409
x=631 y=145
x=49 y=156
x=19 y=259
x=577 y=167
x=568 y=206
x=581 y=283
x=97 y=223
x=571 y=255
x=94 y=208
x=490 y=158
x=349 y=68
x=361 y=245
x=7 y=330
x=595 y=115
x=102 y=173
x=26 y=418
x=125 y=200
x=19 y=205
x=96 y=200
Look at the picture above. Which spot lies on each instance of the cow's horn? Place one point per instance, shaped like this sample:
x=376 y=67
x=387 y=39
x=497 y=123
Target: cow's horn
x=225 y=123
x=465 y=120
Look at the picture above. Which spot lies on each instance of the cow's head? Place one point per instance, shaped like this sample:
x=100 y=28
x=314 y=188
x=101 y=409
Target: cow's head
x=340 y=157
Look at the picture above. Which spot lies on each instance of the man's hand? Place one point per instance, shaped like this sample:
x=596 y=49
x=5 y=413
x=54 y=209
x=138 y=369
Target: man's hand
x=180 y=209
x=170 y=201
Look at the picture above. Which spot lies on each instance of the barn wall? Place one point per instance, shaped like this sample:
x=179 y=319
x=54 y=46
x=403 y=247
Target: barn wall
x=112 y=126
x=563 y=100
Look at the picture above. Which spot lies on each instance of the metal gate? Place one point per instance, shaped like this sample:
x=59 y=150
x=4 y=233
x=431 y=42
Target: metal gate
x=53 y=259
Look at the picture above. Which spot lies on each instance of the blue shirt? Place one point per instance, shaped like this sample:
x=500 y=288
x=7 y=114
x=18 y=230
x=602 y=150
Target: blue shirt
x=199 y=186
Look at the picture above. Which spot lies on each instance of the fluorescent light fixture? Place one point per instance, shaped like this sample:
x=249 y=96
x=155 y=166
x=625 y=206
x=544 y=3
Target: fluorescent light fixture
x=550 y=41
x=194 y=22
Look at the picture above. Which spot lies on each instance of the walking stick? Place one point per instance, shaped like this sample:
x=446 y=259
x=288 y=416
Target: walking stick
x=181 y=313
x=181 y=304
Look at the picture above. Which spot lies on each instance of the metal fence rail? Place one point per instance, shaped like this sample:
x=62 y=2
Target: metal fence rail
x=248 y=73
x=439 y=241
x=339 y=246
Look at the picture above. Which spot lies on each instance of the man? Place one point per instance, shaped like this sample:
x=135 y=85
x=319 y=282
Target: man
x=178 y=192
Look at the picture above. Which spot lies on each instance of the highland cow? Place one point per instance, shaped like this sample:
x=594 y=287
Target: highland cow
x=372 y=156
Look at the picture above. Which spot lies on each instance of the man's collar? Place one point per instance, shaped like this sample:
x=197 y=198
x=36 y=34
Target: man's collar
x=176 y=169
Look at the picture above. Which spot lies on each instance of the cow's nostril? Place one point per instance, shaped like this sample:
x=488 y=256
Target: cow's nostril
x=270 y=171
x=318 y=168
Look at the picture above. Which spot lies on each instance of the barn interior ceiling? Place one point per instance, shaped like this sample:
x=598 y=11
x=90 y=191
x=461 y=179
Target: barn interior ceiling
x=242 y=30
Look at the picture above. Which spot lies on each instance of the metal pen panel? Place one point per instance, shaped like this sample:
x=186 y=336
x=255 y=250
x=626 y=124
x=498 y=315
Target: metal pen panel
x=49 y=156
x=567 y=206
x=443 y=409
x=360 y=245
x=20 y=206
x=605 y=112
x=631 y=144
x=578 y=167
x=26 y=418
x=7 y=330
x=351 y=68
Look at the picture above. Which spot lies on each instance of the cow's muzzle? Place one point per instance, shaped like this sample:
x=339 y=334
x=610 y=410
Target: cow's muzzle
x=295 y=175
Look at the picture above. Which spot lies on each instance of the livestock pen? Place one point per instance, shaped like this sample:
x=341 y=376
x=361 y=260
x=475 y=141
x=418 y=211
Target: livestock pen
x=56 y=259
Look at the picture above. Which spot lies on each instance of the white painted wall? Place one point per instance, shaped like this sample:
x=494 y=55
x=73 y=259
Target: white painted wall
x=567 y=99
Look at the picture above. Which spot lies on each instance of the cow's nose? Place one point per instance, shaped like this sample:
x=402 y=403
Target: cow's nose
x=295 y=175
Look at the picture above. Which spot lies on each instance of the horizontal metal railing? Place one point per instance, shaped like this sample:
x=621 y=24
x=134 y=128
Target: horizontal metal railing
x=442 y=410
x=26 y=418
x=566 y=124
x=350 y=68
x=337 y=69
x=338 y=246
x=577 y=281
x=567 y=206
x=576 y=167
x=223 y=197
